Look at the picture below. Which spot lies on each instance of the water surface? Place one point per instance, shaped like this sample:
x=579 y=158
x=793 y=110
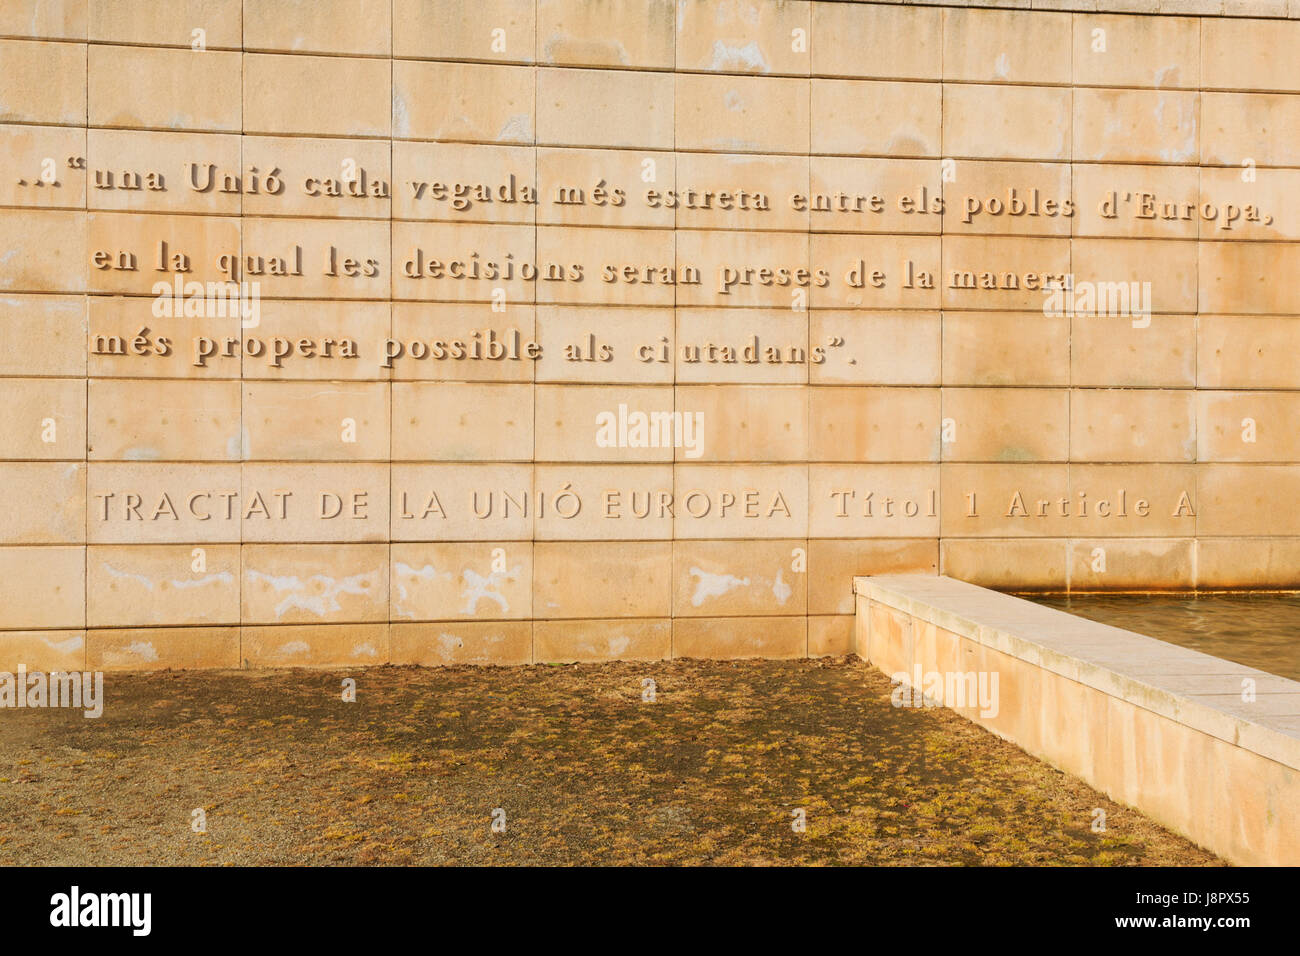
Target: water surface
x=1258 y=630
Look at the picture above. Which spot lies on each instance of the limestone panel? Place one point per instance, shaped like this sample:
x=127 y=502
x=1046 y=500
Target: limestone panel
x=45 y=502
x=43 y=650
x=131 y=420
x=1133 y=424
x=876 y=40
x=873 y=424
x=317 y=421
x=315 y=645
x=1257 y=127
x=338 y=96
x=331 y=178
x=617 y=33
x=737 y=638
x=595 y=579
x=56 y=19
x=159 y=585
x=46 y=251
x=43 y=152
x=629 y=639
x=461 y=421
x=43 y=335
x=1039 y=564
x=474 y=102
x=1004 y=46
x=885 y=118
x=1246 y=351
x=314 y=584
x=362 y=27
x=743 y=36
x=1009 y=199
x=1247 y=426
x=167 y=24
x=162 y=648
x=741 y=114
x=42 y=82
x=1136 y=126
x=743 y=423
x=45 y=419
x=1137 y=51
x=1120 y=351
x=613 y=108
x=468 y=342
x=1015 y=348
x=738 y=578
x=877 y=348
x=154 y=88
x=1006 y=122
x=1006 y=424
x=500 y=30
x=586 y=423
x=458 y=642
x=42 y=587
x=461 y=581
x=1248 y=54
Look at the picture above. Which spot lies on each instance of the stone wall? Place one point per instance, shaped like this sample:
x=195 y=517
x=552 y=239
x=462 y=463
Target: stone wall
x=812 y=239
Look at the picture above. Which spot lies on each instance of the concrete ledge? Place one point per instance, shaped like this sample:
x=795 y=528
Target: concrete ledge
x=1170 y=731
x=1259 y=9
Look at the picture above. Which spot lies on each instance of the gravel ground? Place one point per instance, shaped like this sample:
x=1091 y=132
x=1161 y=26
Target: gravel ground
x=712 y=771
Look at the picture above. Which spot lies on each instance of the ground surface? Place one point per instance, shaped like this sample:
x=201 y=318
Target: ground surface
x=585 y=770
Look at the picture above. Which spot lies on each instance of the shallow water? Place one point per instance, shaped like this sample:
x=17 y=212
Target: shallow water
x=1258 y=630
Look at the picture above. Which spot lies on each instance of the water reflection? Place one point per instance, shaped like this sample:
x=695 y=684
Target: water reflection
x=1258 y=630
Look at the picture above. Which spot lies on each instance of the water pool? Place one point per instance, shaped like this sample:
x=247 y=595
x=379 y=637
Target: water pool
x=1258 y=630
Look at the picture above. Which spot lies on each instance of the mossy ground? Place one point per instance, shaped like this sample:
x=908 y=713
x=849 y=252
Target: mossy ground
x=587 y=772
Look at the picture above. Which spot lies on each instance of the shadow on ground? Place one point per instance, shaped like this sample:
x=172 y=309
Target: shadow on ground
x=586 y=772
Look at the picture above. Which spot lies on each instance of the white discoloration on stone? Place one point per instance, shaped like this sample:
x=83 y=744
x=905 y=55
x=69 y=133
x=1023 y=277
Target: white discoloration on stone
x=294 y=648
x=737 y=59
x=478 y=588
x=66 y=646
x=713 y=585
x=217 y=577
x=401 y=117
x=135 y=652
x=129 y=576
x=319 y=594
x=365 y=650
x=780 y=588
x=405 y=572
x=517 y=127
x=239 y=446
